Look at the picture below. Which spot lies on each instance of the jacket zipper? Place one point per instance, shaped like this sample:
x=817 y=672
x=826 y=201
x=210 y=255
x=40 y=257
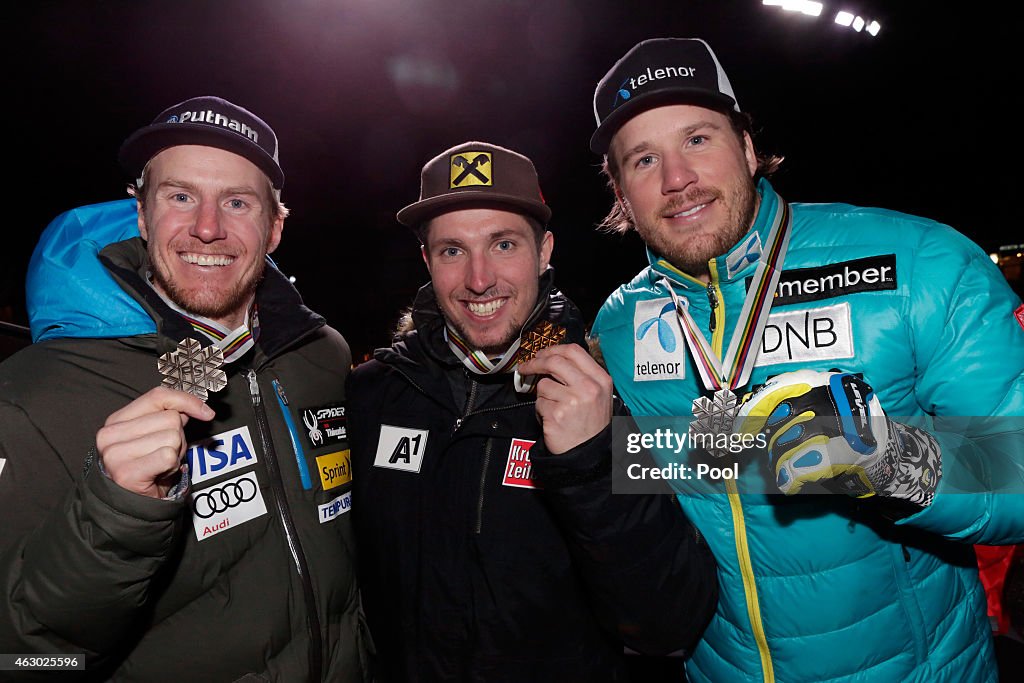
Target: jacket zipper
x=749 y=583
x=717 y=328
x=469 y=401
x=284 y=514
x=713 y=300
x=478 y=527
x=911 y=606
x=483 y=485
x=300 y=454
x=459 y=422
x=486 y=462
x=487 y=454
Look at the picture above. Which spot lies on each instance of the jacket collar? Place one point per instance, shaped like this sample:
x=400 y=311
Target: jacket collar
x=740 y=261
x=284 y=319
x=426 y=343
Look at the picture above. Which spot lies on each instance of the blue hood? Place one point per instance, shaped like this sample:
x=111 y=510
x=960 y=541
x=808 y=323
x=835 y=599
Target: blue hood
x=68 y=291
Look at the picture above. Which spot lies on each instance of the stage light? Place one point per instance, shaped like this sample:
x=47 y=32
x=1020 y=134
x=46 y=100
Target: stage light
x=858 y=24
x=844 y=18
x=812 y=9
x=808 y=7
x=995 y=258
x=873 y=28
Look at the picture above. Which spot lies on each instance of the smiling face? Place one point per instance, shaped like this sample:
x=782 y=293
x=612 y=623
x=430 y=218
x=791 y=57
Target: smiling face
x=686 y=178
x=485 y=265
x=208 y=220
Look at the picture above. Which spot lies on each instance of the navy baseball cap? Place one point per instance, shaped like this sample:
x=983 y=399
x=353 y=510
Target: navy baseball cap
x=654 y=73
x=211 y=122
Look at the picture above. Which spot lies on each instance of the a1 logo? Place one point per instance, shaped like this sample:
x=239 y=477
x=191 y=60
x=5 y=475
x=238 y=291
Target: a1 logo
x=401 y=448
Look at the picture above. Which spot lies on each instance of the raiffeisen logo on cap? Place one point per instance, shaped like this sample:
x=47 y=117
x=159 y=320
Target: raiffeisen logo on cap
x=212 y=117
x=648 y=76
x=471 y=168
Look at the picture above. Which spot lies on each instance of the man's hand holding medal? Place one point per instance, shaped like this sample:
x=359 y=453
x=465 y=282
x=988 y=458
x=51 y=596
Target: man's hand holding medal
x=574 y=393
x=142 y=445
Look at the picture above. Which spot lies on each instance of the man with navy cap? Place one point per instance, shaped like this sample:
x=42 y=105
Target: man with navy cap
x=851 y=342
x=491 y=546
x=174 y=472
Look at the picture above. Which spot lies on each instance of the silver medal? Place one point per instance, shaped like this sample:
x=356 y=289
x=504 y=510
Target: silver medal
x=193 y=369
x=714 y=416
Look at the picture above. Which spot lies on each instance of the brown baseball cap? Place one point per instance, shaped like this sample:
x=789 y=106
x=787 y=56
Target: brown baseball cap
x=477 y=173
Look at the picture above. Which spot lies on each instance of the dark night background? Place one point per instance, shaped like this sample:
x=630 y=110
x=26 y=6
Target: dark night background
x=363 y=92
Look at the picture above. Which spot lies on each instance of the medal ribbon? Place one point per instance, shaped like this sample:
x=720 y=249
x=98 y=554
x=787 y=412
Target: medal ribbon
x=739 y=359
x=480 y=364
x=232 y=343
x=475 y=361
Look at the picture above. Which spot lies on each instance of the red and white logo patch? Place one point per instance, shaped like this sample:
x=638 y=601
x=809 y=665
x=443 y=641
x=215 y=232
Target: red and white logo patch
x=518 y=470
x=1019 y=315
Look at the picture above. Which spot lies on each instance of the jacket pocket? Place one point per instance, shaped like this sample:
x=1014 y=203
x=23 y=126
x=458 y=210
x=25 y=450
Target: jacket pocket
x=902 y=563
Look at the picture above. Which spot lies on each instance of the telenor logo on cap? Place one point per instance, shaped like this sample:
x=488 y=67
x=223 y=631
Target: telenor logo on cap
x=470 y=168
x=649 y=76
x=209 y=116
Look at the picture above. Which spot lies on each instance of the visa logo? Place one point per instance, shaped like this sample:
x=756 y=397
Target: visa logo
x=220 y=454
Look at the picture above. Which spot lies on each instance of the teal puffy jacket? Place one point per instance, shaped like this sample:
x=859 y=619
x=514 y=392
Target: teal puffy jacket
x=825 y=587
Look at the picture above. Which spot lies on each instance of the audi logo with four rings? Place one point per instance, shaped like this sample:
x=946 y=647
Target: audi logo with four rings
x=221 y=498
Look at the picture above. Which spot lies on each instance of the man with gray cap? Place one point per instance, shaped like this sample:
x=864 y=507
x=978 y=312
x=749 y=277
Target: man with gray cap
x=844 y=339
x=491 y=548
x=164 y=516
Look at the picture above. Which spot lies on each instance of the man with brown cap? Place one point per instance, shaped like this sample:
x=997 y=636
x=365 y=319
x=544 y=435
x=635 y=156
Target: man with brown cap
x=164 y=518
x=878 y=356
x=491 y=546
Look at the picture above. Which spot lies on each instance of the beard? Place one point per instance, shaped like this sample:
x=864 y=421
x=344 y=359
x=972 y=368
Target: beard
x=212 y=303
x=488 y=348
x=490 y=342
x=691 y=251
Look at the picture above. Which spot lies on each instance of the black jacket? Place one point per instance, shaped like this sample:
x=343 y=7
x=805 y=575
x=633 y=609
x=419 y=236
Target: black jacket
x=146 y=588
x=467 y=574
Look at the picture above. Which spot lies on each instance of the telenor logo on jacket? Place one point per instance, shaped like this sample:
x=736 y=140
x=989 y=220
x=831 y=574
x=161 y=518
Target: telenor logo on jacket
x=220 y=454
x=401 y=448
x=658 y=350
x=518 y=469
x=226 y=504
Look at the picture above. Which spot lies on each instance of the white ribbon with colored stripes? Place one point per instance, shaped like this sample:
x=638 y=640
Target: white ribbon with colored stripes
x=735 y=370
